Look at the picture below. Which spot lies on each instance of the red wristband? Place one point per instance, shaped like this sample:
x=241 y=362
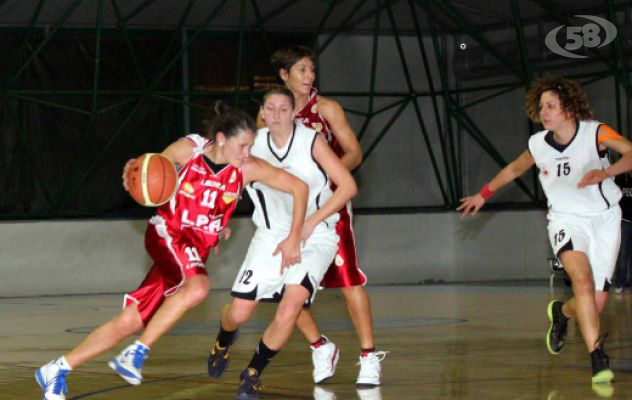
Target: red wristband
x=486 y=192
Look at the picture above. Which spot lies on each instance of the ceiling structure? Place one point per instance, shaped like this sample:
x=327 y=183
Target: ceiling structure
x=291 y=15
x=37 y=24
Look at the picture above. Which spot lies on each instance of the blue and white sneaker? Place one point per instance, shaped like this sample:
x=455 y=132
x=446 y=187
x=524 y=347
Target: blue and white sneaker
x=129 y=363
x=52 y=379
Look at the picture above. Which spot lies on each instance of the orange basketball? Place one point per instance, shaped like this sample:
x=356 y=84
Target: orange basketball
x=152 y=180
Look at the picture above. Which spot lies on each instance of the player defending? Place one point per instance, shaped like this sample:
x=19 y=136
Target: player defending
x=584 y=214
x=212 y=173
x=304 y=153
x=295 y=66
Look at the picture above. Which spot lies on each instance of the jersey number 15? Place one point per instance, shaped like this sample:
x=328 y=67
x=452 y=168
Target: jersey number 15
x=563 y=169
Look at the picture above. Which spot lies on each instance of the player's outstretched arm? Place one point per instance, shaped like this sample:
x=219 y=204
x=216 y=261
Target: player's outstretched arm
x=472 y=204
x=609 y=139
x=256 y=169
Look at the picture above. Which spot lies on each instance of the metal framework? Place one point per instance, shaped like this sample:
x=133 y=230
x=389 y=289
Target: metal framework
x=450 y=115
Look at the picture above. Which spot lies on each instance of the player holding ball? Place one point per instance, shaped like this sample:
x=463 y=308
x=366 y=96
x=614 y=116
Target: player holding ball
x=212 y=171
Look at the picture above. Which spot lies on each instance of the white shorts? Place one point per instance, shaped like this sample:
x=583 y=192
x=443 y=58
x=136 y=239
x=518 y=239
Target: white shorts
x=596 y=235
x=260 y=276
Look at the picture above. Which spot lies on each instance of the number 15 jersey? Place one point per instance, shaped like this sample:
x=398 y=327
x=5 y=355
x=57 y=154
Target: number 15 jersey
x=562 y=167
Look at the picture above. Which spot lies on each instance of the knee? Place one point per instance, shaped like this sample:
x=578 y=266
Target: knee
x=288 y=313
x=238 y=318
x=239 y=313
x=583 y=283
x=127 y=324
x=351 y=291
x=196 y=292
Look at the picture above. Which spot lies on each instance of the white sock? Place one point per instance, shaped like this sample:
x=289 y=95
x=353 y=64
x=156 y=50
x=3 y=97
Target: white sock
x=139 y=343
x=61 y=361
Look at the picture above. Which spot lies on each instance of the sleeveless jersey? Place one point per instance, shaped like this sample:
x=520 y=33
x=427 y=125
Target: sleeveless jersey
x=311 y=118
x=273 y=208
x=562 y=166
x=204 y=201
x=344 y=271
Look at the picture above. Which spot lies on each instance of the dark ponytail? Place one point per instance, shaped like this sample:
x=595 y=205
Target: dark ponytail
x=229 y=121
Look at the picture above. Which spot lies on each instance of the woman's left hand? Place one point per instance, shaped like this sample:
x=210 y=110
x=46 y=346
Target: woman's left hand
x=223 y=235
x=131 y=163
x=593 y=177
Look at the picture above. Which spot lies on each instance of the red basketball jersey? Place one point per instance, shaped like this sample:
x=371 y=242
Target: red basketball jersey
x=311 y=118
x=344 y=271
x=204 y=201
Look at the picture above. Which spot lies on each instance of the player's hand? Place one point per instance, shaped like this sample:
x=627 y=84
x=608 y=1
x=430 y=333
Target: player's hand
x=226 y=233
x=471 y=205
x=131 y=163
x=223 y=235
x=290 y=252
x=592 y=177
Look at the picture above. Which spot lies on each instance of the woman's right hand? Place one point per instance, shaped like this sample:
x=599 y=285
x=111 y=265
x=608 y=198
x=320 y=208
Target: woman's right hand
x=290 y=252
x=131 y=163
x=471 y=205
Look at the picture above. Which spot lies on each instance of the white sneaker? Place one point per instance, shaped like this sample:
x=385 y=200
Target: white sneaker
x=129 y=363
x=370 y=369
x=325 y=358
x=323 y=394
x=52 y=379
x=370 y=394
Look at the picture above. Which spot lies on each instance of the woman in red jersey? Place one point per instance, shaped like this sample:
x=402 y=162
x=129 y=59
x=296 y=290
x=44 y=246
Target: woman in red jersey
x=295 y=66
x=212 y=171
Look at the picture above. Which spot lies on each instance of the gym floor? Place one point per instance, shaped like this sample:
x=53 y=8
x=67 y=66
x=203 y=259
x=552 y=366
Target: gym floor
x=474 y=341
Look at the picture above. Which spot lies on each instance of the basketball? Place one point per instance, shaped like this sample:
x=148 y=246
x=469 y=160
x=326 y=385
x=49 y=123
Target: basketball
x=152 y=180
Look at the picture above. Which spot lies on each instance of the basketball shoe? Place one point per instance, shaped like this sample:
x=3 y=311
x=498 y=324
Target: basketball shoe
x=219 y=358
x=52 y=379
x=129 y=363
x=601 y=363
x=370 y=369
x=250 y=385
x=558 y=327
x=325 y=358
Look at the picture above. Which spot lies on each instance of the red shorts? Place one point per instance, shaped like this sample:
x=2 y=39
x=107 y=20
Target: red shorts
x=344 y=271
x=175 y=260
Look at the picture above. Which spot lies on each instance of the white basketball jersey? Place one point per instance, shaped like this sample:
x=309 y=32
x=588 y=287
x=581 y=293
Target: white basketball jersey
x=273 y=208
x=562 y=166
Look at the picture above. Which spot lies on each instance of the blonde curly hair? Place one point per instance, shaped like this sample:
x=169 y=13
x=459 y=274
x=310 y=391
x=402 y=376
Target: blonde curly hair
x=572 y=97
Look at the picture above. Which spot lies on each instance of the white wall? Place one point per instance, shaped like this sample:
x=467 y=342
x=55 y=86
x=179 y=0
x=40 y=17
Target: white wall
x=72 y=257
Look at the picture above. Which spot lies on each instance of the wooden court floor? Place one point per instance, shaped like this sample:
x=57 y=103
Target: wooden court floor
x=445 y=342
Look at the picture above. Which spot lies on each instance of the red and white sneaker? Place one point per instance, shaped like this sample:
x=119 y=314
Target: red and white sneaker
x=370 y=369
x=325 y=358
